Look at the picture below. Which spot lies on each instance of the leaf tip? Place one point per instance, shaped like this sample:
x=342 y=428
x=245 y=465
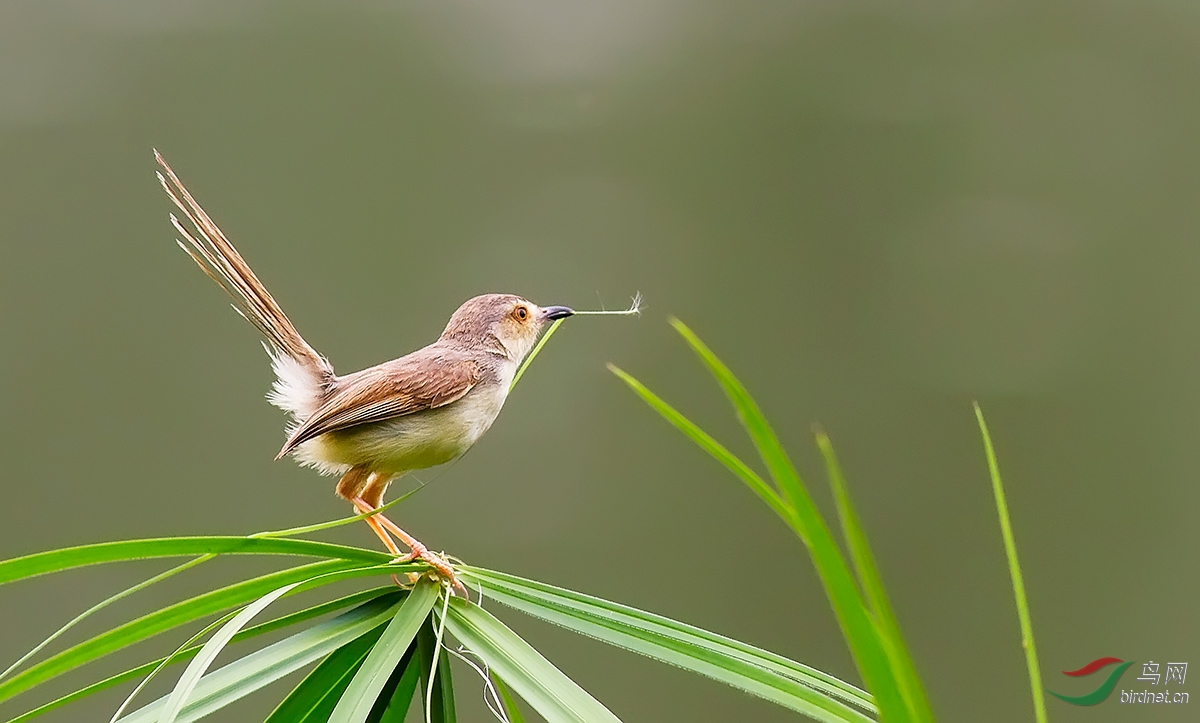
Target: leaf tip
x=680 y=327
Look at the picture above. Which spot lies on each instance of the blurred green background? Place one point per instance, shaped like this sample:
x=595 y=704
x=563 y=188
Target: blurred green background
x=874 y=212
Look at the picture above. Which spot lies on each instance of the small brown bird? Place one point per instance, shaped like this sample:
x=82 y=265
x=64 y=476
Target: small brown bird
x=372 y=426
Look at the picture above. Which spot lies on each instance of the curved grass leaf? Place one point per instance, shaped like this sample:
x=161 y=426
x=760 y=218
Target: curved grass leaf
x=359 y=699
x=187 y=654
x=874 y=590
x=552 y=694
x=314 y=698
x=758 y=672
x=198 y=636
x=706 y=442
x=210 y=651
x=805 y=519
x=393 y=704
x=41 y=563
x=511 y=710
x=179 y=614
x=262 y=667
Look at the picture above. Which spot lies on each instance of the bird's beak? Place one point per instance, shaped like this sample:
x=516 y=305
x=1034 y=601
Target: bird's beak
x=557 y=312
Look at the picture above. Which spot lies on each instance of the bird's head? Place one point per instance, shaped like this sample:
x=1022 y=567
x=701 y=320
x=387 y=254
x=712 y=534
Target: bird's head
x=509 y=320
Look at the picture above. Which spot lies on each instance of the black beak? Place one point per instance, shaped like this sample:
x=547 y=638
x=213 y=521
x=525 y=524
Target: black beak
x=557 y=312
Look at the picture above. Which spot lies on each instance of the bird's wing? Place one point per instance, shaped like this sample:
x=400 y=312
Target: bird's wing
x=426 y=379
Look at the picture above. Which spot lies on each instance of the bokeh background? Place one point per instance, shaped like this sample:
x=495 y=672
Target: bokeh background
x=875 y=212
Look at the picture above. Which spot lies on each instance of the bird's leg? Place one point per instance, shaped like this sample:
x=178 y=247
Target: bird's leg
x=362 y=507
x=350 y=487
x=369 y=498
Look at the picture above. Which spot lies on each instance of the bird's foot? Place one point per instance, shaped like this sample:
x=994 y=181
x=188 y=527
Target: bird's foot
x=438 y=564
x=417 y=551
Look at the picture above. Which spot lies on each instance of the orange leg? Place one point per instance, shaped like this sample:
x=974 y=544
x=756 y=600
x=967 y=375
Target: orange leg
x=350 y=487
x=364 y=489
x=416 y=550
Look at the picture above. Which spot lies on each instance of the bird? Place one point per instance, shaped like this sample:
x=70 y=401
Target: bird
x=370 y=427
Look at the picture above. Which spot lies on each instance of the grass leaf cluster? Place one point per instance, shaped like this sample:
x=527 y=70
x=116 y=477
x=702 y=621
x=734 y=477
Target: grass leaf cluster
x=374 y=654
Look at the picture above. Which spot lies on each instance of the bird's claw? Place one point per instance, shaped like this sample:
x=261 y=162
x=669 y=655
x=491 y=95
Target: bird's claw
x=439 y=567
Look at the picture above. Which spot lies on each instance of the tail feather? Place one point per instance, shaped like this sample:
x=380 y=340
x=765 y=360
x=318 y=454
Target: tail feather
x=217 y=257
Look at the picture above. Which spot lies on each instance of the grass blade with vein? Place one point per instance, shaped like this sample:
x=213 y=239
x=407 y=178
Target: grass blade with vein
x=742 y=666
x=393 y=705
x=199 y=665
x=358 y=700
x=178 y=614
x=511 y=710
x=187 y=654
x=552 y=694
x=315 y=696
x=168 y=660
x=41 y=563
x=244 y=676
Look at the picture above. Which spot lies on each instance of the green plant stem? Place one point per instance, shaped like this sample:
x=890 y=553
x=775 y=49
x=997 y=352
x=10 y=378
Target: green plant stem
x=533 y=354
x=1014 y=569
x=307 y=529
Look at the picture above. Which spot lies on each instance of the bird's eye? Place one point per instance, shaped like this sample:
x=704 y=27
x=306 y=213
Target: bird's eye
x=521 y=313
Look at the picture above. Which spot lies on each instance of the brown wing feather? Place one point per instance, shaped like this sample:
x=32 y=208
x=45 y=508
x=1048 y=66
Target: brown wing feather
x=425 y=379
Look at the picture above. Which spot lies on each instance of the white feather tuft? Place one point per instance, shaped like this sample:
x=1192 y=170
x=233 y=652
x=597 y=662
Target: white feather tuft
x=296 y=389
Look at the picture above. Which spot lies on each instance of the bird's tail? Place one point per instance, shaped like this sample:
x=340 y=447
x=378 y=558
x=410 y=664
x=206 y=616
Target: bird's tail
x=303 y=374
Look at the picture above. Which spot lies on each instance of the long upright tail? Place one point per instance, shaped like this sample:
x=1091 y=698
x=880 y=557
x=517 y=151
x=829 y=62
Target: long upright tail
x=303 y=373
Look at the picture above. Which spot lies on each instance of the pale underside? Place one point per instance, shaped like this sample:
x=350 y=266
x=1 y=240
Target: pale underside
x=392 y=418
x=414 y=441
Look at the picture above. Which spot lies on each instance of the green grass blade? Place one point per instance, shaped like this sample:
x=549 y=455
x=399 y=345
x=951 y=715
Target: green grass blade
x=846 y=599
x=1014 y=569
x=511 y=709
x=358 y=700
x=187 y=654
x=68 y=558
x=312 y=701
x=770 y=449
x=199 y=665
x=438 y=696
x=755 y=671
x=706 y=442
x=400 y=692
x=173 y=616
x=100 y=606
x=873 y=589
x=533 y=354
x=200 y=635
x=552 y=694
x=262 y=667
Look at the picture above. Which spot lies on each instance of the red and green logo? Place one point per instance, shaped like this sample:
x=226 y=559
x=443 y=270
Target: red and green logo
x=1099 y=694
